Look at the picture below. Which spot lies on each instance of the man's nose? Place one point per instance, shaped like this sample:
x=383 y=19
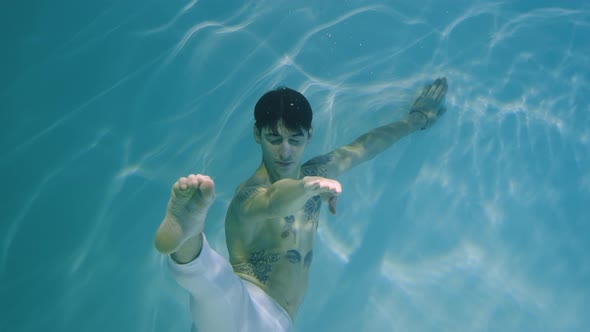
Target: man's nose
x=285 y=150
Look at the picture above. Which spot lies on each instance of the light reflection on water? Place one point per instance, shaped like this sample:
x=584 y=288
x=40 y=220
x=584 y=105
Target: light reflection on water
x=475 y=225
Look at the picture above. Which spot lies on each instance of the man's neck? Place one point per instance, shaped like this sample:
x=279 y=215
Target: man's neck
x=274 y=177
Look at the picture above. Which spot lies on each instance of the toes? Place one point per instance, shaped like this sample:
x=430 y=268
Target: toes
x=185 y=183
x=207 y=193
x=193 y=181
x=181 y=184
x=202 y=183
x=188 y=185
x=206 y=185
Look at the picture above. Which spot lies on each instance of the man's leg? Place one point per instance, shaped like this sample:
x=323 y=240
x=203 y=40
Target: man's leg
x=220 y=301
x=218 y=298
x=180 y=232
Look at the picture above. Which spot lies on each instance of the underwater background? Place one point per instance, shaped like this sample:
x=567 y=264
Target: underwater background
x=477 y=224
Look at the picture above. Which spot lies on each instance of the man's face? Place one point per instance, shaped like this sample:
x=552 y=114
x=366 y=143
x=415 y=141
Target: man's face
x=282 y=149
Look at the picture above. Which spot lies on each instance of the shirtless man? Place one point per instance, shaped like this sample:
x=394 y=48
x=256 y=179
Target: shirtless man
x=272 y=219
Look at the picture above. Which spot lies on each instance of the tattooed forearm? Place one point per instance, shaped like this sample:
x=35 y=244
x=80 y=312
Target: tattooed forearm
x=259 y=265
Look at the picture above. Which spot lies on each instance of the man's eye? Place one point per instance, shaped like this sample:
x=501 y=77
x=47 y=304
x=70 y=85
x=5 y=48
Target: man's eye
x=275 y=141
x=295 y=142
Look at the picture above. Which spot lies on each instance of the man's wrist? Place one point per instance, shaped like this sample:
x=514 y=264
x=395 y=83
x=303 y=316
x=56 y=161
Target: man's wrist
x=418 y=120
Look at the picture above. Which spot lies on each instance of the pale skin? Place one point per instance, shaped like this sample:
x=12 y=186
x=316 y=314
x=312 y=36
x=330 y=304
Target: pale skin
x=272 y=220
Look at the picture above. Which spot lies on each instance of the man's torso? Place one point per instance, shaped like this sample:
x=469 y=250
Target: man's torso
x=275 y=254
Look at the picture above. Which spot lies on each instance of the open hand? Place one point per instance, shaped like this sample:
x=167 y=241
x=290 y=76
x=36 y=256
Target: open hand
x=430 y=101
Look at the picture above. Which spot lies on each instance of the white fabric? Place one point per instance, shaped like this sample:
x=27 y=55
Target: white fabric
x=220 y=301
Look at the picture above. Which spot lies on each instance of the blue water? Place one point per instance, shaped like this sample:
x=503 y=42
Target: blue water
x=479 y=224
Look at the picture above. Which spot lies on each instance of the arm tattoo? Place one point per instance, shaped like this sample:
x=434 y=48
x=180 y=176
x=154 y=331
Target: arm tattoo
x=259 y=265
x=246 y=193
x=317 y=166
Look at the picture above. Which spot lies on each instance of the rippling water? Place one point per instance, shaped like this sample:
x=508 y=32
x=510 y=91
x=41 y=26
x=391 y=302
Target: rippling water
x=479 y=224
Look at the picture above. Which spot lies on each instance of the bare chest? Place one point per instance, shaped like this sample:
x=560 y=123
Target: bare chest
x=293 y=230
x=280 y=246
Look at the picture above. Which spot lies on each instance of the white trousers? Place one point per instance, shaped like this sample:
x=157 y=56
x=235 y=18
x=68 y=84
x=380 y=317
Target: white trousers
x=220 y=301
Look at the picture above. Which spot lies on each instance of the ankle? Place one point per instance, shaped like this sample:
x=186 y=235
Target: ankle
x=189 y=250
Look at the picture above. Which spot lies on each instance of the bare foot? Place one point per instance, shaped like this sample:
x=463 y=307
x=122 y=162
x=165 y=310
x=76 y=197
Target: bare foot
x=430 y=102
x=190 y=200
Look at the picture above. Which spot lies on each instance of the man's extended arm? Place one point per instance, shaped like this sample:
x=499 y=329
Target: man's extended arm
x=424 y=112
x=283 y=197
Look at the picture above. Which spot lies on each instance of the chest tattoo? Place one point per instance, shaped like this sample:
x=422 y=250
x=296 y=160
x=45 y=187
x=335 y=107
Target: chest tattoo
x=259 y=265
x=288 y=228
x=308 y=259
x=294 y=257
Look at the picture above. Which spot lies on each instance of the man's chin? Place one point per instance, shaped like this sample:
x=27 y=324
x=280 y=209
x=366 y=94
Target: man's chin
x=285 y=166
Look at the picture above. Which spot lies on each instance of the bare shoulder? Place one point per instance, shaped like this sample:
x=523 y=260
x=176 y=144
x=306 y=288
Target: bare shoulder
x=318 y=166
x=248 y=189
x=245 y=201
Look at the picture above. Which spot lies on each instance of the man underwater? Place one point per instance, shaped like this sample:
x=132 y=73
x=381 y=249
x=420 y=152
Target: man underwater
x=271 y=222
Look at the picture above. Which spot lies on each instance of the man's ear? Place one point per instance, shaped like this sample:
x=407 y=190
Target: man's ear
x=256 y=133
x=309 y=134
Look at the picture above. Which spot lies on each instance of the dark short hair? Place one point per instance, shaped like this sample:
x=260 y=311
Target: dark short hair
x=283 y=104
